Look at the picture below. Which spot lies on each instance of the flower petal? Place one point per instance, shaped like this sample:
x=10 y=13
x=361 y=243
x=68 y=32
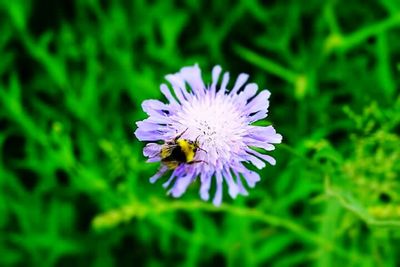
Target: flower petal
x=218 y=193
x=225 y=80
x=215 y=77
x=232 y=187
x=181 y=185
x=260 y=102
x=242 y=189
x=264 y=134
x=154 y=159
x=160 y=173
x=151 y=106
x=261 y=144
x=258 y=116
x=205 y=179
x=251 y=177
x=192 y=75
x=178 y=86
x=152 y=150
x=239 y=83
x=167 y=93
x=147 y=131
x=169 y=181
x=248 y=92
x=255 y=161
x=179 y=171
x=267 y=158
x=145 y=125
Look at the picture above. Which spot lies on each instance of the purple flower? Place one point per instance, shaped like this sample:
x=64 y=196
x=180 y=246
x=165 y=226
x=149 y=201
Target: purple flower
x=221 y=120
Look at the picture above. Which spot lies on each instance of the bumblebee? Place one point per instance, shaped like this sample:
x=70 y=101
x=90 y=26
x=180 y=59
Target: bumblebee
x=179 y=151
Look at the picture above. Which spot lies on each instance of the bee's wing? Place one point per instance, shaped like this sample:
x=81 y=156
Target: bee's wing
x=166 y=150
x=152 y=150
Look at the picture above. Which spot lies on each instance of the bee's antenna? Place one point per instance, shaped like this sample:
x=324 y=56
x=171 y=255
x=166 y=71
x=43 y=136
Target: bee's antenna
x=197 y=141
x=179 y=135
x=202 y=149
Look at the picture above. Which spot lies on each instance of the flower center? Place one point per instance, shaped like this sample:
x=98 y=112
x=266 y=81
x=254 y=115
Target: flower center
x=216 y=123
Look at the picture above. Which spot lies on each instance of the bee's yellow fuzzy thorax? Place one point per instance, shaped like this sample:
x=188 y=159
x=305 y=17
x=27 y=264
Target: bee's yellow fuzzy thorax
x=187 y=149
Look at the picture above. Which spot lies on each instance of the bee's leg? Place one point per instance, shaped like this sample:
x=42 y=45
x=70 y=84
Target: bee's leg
x=180 y=135
x=197 y=161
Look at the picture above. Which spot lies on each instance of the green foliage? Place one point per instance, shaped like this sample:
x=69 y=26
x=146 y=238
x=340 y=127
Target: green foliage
x=74 y=187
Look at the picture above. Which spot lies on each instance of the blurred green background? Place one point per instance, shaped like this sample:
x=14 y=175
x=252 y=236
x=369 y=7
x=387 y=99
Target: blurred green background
x=74 y=187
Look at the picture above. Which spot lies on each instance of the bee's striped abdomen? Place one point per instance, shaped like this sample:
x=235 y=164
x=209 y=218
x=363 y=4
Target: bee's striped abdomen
x=177 y=154
x=187 y=149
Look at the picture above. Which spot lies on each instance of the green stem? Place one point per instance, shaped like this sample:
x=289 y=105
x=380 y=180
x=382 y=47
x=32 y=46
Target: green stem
x=360 y=36
x=266 y=64
x=137 y=209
